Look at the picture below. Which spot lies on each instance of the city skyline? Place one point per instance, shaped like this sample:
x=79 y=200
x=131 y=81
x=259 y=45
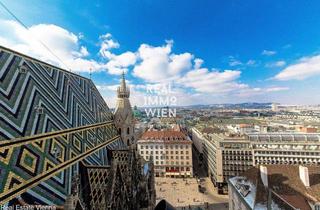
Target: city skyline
x=211 y=52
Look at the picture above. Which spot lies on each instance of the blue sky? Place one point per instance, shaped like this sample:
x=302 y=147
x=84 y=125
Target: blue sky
x=211 y=51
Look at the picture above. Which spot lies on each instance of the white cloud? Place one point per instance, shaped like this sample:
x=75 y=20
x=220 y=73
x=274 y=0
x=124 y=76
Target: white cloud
x=250 y=92
x=202 y=80
x=107 y=43
x=276 y=64
x=268 y=52
x=217 y=82
x=116 y=64
x=159 y=64
x=234 y=62
x=304 y=68
x=276 y=89
x=152 y=64
x=84 y=51
x=120 y=63
x=251 y=62
x=197 y=63
x=64 y=44
x=287 y=46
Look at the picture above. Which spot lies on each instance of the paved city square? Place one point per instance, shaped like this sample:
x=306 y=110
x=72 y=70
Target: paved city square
x=184 y=194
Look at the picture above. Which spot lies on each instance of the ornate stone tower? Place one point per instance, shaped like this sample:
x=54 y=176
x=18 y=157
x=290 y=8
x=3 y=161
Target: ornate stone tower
x=123 y=115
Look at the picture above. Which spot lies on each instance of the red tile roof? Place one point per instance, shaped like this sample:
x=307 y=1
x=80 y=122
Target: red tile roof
x=168 y=135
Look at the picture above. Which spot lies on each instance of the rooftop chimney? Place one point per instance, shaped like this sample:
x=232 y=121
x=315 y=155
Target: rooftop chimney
x=304 y=175
x=264 y=175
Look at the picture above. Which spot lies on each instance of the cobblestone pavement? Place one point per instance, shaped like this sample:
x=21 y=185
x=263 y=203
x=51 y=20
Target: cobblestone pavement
x=184 y=194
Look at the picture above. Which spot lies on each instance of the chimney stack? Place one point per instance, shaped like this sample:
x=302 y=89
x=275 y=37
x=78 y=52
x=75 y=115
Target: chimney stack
x=264 y=175
x=304 y=175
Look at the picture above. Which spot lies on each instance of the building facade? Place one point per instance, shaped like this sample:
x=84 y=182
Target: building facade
x=123 y=114
x=228 y=156
x=285 y=148
x=170 y=150
x=225 y=157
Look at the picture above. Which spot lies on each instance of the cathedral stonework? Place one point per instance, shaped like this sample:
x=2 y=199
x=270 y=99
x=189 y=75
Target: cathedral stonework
x=123 y=114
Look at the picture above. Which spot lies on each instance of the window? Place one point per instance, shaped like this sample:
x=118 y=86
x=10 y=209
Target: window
x=128 y=130
x=141 y=146
x=171 y=152
x=157 y=162
x=181 y=157
x=151 y=147
x=187 y=152
x=181 y=152
x=187 y=157
x=120 y=131
x=167 y=152
x=147 y=152
x=161 y=147
x=146 y=147
x=177 y=152
x=177 y=157
x=157 y=152
x=157 y=157
x=151 y=152
x=141 y=152
x=156 y=146
x=176 y=146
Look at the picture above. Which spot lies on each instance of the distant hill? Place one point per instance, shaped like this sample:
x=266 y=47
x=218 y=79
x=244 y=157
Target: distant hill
x=252 y=105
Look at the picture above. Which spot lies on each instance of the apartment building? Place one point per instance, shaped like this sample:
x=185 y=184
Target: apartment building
x=170 y=150
x=285 y=148
x=226 y=156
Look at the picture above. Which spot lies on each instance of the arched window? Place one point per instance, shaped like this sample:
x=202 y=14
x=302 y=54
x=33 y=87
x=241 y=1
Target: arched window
x=128 y=130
